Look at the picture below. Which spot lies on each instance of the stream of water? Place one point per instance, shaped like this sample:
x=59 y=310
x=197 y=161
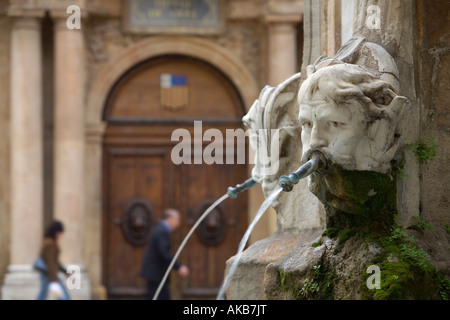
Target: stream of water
x=237 y=258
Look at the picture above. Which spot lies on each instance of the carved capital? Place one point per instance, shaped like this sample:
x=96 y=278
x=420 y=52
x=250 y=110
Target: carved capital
x=29 y=23
x=26 y=18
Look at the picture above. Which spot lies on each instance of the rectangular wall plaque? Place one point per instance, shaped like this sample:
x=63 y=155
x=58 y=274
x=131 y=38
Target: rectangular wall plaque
x=174 y=16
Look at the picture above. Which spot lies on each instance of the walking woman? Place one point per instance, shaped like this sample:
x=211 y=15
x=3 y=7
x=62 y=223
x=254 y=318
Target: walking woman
x=51 y=286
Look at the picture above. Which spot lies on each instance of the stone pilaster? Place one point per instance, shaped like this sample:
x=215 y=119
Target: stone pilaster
x=69 y=138
x=92 y=252
x=21 y=282
x=282 y=38
x=282 y=63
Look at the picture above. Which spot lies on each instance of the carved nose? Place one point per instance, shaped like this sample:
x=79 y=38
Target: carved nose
x=317 y=140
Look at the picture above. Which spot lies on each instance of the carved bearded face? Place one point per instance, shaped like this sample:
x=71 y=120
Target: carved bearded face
x=325 y=124
x=351 y=115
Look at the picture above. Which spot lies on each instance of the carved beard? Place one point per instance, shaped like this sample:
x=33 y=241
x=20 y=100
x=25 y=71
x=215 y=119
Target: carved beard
x=360 y=195
x=346 y=161
x=366 y=156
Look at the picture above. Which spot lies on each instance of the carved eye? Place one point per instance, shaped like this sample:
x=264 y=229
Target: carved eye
x=307 y=125
x=335 y=124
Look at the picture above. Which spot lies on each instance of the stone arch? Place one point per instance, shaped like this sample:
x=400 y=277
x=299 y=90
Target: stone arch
x=217 y=56
x=204 y=50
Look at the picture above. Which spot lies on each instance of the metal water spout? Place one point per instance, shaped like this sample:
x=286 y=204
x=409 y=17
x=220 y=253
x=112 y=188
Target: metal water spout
x=316 y=161
x=233 y=192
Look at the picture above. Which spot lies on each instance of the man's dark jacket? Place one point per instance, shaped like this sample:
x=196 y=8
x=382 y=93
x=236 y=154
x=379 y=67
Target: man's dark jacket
x=158 y=256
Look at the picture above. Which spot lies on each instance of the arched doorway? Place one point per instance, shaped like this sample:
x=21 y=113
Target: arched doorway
x=140 y=179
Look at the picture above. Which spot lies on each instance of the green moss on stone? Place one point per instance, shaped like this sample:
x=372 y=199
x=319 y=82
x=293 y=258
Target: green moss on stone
x=406 y=272
x=362 y=204
x=356 y=200
x=317 y=284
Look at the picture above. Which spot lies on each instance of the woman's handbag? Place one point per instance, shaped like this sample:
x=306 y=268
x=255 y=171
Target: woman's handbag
x=40 y=265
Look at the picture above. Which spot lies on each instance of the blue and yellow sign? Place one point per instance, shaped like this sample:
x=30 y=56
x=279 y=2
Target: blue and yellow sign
x=180 y=16
x=174 y=91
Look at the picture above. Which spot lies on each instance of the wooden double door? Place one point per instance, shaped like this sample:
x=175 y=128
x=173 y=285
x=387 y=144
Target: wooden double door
x=140 y=179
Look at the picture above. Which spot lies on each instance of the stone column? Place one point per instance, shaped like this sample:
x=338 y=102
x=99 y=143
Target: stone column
x=69 y=145
x=21 y=282
x=93 y=205
x=282 y=64
x=282 y=46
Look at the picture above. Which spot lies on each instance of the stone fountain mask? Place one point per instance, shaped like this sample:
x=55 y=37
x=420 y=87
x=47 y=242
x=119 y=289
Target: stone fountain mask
x=347 y=107
x=351 y=115
x=273 y=128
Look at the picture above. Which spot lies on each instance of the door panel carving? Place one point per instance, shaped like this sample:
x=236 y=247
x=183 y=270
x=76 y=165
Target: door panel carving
x=137 y=222
x=211 y=231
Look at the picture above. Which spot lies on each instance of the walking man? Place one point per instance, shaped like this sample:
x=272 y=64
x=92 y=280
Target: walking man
x=158 y=256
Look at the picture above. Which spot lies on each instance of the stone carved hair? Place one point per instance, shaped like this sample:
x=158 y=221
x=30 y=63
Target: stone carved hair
x=355 y=81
